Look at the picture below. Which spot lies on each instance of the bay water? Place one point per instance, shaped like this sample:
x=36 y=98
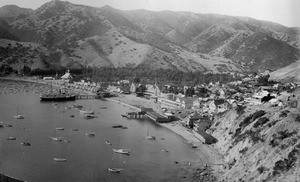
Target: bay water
x=87 y=157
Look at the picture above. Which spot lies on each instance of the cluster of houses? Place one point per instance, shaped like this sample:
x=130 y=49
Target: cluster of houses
x=196 y=106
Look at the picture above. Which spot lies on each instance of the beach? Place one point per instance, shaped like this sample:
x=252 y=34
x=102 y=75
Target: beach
x=206 y=153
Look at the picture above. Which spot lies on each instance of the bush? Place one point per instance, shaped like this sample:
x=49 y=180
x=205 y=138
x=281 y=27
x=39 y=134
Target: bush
x=261 y=169
x=284 y=113
x=261 y=121
x=244 y=150
x=286 y=164
x=240 y=109
x=281 y=135
x=297 y=119
x=253 y=135
x=252 y=117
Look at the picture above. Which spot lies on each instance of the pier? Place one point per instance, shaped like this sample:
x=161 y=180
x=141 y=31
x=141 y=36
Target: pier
x=158 y=117
x=85 y=96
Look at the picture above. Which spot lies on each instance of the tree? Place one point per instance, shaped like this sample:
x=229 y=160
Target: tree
x=137 y=80
x=190 y=92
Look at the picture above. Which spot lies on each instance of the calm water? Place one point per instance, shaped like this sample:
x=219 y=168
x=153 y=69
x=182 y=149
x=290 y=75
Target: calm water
x=87 y=157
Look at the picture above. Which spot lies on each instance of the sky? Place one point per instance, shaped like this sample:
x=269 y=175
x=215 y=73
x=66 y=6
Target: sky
x=285 y=12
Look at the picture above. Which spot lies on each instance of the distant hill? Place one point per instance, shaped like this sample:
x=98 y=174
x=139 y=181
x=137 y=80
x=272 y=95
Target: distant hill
x=288 y=73
x=89 y=36
x=13 y=11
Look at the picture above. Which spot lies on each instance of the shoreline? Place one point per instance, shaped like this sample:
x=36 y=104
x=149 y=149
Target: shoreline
x=207 y=154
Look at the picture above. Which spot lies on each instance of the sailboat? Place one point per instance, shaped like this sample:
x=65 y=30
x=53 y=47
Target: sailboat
x=114 y=169
x=148 y=136
x=18 y=116
x=90 y=111
x=121 y=151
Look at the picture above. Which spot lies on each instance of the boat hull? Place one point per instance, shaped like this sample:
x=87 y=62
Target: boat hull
x=57 y=98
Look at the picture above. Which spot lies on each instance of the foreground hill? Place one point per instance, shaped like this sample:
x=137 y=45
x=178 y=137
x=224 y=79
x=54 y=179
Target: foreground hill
x=288 y=73
x=80 y=35
x=262 y=144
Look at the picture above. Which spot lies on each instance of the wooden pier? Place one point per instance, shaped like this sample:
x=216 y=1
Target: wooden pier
x=86 y=96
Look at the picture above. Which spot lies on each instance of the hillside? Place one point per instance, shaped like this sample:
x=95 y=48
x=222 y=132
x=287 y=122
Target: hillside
x=288 y=73
x=262 y=144
x=87 y=36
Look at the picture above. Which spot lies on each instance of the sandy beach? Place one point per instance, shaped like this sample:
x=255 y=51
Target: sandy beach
x=207 y=153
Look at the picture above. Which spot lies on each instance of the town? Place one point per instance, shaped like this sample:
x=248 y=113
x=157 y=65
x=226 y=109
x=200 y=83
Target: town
x=194 y=107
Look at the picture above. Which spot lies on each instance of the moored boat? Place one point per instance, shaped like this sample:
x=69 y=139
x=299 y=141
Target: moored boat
x=11 y=138
x=122 y=151
x=115 y=170
x=90 y=133
x=60 y=159
x=25 y=143
x=56 y=138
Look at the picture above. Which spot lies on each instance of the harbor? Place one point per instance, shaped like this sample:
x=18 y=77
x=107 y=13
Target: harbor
x=43 y=119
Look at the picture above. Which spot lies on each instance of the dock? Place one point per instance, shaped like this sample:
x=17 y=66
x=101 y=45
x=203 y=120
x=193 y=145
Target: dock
x=86 y=96
x=158 y=117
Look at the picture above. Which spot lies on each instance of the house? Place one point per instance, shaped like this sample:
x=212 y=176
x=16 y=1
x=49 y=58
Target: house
x=204 y=137
x=185 y=103
x=219 y=105
x=133 y=87
x=67 y=76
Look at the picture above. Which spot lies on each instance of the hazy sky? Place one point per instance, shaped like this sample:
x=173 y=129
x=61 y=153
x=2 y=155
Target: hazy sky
x=285 y=12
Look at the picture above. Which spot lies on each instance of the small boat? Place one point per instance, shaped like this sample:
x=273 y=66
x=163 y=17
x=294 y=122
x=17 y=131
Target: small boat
x=87 y=112
x=74 y=129
x=72 y=116
x=124 y=116
x=90 y=133
x=115 y=170
x=164 y=150
x=60 y=159
x=121 y=151
x=67 y=141
x=103 y=107
x=89 y=116
x=11 y=138
x=194 y=146
x=107 y=142
x=9 y=125
x=18 y=116
x=148 y=136
x=25 y=144
x=117 y=126
x=1 y=124
x=56 y=138
x=60 y=128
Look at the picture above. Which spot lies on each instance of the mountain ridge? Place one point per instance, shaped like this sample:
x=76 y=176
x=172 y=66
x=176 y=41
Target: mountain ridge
x=173 y=40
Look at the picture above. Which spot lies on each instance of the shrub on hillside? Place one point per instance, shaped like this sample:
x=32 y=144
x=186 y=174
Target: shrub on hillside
x=261 y=121
x=284 y=113
x=281 y=135
x=240 y=109
x=297 y=119
x=253 y=135
x=286 y=164
x=261 y=169
x=252 y=117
